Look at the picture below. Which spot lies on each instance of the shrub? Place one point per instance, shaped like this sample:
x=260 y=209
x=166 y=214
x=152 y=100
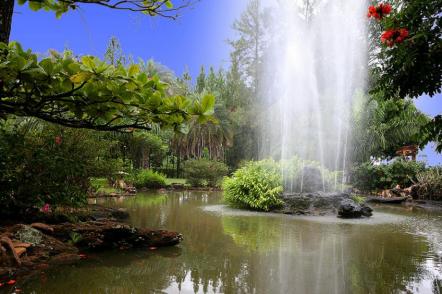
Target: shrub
x=429 y=184
x=41 y=163
x=369 y=177
x=202 y=172
x=256 y=185
x=147 y=178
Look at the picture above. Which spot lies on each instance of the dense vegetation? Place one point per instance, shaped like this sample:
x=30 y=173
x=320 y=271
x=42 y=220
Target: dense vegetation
x=368 y=177
x=257 y=185
x=155 y=124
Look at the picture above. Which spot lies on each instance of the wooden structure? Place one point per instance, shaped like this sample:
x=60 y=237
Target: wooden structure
x=408 y=151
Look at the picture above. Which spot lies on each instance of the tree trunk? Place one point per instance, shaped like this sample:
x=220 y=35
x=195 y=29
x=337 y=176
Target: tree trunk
x=6 y=10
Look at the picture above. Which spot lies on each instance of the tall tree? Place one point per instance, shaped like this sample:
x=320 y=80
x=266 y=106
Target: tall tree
x=114 y=53
x=250 y=46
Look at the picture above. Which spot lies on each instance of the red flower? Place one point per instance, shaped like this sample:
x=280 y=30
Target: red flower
x=379 y=11
x=385 y=8
x=404 y=33
x=394 y=36
x=46 y=208
x=372 y=12
x=58 y=140
x=11 y=282
x=387 y=35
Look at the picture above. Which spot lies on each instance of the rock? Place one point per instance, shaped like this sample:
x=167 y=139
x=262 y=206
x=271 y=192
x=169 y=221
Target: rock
x=109 y=234
x=390 y=200
x=367 y=210
x=43 y=227
x=7 y=244
x=65 y=258
x=120 y=213
x=318 y=203
x=349 y=209
x=28 y=234
x=177 y=186
x=19 y=251
x=310 y=180
x=21 y=244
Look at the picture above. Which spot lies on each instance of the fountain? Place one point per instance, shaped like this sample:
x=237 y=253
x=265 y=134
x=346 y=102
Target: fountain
x=315 y=69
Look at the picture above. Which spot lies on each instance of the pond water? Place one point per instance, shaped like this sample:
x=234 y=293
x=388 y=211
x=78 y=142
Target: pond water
x=233 y=251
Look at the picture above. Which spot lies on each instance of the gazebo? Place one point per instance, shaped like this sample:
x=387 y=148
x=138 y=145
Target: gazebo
x=408 y=151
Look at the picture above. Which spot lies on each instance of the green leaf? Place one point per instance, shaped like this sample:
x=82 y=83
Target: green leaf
x=133 y=70
x=169 y=4
x=34 y=5
x=88 y=61
x=208 y=104
x=80 y=77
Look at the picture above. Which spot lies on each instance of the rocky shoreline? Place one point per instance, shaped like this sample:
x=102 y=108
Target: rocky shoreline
x=321 y=203
x=30 y=247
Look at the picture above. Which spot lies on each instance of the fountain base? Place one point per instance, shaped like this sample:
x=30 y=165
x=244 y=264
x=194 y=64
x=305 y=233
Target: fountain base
x=321 y=203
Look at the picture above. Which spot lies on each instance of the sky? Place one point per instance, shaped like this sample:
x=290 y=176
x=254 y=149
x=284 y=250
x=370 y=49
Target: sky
x=198 y=37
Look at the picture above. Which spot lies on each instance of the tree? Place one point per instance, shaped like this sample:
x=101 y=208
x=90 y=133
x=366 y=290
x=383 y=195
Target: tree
x=90 y=93
x=381 y=127
x=413 y=67
x=114 y=54
x=250 y=46
x=163 y=8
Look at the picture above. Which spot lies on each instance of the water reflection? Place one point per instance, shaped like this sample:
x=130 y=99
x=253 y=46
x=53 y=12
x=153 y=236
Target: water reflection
x=258 y=253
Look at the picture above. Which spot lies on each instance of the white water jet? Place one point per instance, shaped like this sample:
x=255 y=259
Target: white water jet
x=315 y=66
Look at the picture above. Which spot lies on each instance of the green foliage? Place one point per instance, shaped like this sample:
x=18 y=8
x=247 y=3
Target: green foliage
x=90 y=93
x=369 y=177
x=384 y=126
x=44 y=163
x=202 y=172
x=414 y=67
x=256 y=185
x=147 y=178
x=75 y=238
x=429 y=184
x=359 y=199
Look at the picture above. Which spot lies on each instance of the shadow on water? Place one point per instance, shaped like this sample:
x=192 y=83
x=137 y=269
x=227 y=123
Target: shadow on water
x=258 y=253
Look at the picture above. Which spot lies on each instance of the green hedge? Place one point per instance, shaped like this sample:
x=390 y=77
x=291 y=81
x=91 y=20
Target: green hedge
x=369 y=177
x=147 y=178
x=257 y=185
x=204 y=172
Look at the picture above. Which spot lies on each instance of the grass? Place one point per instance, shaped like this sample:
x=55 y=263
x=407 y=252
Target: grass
x=102 y=186
x=170 y=181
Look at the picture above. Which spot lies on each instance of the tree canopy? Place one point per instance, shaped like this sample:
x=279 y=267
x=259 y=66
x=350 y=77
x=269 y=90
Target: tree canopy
x=89 y=93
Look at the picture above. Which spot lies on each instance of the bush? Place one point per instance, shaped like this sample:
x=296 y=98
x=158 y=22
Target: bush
x=257 y=185
x=202 y=172
x=369 y=177
x=429 y=184
x=147 y=178
x=44 y=163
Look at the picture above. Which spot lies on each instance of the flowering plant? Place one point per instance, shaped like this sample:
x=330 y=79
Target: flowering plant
x=379 y=11
x=394 y=36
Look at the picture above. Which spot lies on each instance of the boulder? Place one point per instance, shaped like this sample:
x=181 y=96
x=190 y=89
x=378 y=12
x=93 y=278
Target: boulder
x=350 y=209
x=318 y=203
x=309 y=180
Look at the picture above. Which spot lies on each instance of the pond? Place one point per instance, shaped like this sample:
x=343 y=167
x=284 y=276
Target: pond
x=233 y=251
